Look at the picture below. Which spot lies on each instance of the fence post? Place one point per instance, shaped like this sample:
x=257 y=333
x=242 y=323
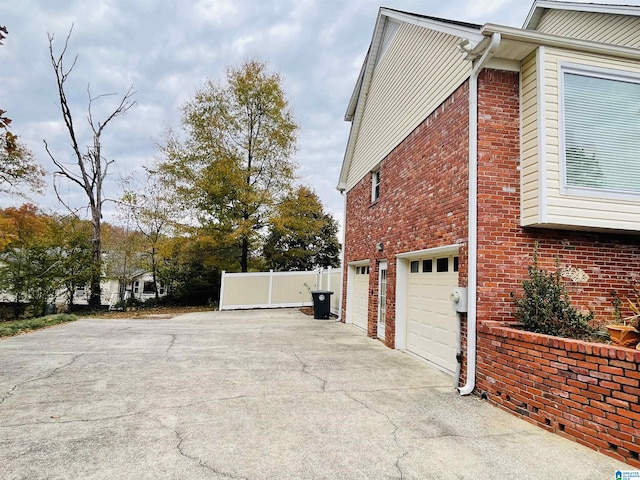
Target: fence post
x=328 y=278
x=221 y=302
x=270 y=301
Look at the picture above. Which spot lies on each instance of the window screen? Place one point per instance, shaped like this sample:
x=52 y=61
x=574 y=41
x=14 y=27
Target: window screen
x=601 y=133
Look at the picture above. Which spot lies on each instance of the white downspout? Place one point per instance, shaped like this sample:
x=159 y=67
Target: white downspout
x=343 y=265
x=472 y=282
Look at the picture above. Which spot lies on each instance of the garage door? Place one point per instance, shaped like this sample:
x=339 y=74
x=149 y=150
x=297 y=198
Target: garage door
x=360 y=303
x=432 y=323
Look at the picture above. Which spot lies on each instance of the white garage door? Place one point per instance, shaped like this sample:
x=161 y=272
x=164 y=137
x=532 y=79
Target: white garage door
x=432 y=323
x=360 y=292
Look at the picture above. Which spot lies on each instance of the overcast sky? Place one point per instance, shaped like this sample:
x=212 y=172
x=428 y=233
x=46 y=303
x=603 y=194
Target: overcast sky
x=167 y=49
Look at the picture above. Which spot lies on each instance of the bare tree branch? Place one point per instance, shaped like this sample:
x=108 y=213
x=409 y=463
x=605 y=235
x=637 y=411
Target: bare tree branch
x=90 y=168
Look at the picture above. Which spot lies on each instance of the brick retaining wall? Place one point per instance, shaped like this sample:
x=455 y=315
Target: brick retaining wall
x=587 y=392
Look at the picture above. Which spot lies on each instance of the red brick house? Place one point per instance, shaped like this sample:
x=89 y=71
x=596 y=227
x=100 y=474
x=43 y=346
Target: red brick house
x=469 y=144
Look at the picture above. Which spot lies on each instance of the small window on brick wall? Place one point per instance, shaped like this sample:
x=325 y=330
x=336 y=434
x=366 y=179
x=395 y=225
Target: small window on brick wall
x=375 y=185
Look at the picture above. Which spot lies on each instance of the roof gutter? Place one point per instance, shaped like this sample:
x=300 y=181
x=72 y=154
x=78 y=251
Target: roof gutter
x=472 y=281
x=538 y=38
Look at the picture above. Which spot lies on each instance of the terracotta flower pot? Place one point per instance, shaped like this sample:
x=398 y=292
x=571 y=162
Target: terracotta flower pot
x=624 y=335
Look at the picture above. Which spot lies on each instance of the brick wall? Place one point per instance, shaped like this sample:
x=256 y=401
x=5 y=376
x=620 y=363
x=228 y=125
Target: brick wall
x=586 y=392
x=505 y=249
x=422 y=204
x=589 y=396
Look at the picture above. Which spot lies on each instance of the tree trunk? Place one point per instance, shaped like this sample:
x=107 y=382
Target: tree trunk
x=154 y=269
x=70 y=294
x=95 y=300
x=244 y=259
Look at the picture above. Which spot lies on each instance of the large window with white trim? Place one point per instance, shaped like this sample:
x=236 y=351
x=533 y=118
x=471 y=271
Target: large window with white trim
x=601 y=132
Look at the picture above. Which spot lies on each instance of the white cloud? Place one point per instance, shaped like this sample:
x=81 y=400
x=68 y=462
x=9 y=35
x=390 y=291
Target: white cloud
x=168 y=48
x=216 y=12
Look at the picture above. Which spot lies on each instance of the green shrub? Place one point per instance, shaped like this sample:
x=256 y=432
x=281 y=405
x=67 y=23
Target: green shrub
x=19 y=326
x=545 y=306
x=151 y=303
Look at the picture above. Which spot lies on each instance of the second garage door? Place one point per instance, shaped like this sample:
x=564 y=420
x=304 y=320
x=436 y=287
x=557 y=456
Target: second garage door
x=360 y=303
x=432 y=322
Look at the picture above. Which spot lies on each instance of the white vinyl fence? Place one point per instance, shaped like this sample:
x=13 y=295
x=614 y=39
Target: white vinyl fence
x=278 y=289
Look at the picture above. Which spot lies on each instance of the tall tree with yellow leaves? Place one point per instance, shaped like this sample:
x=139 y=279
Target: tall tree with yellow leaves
x=235 y=158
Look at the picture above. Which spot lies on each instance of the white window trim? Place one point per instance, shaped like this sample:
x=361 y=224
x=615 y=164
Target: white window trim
x=596 y=72
x=375 y=181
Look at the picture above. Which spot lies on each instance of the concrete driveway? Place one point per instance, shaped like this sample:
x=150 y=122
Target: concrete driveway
x=253 y=395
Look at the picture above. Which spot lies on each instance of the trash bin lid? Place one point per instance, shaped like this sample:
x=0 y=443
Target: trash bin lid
x=326 y=292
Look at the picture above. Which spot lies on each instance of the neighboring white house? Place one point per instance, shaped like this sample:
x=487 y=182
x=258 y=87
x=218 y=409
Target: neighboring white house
x=141 y=288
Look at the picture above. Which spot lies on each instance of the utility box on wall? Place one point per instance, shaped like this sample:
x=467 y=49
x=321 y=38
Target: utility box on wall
x=459 y=299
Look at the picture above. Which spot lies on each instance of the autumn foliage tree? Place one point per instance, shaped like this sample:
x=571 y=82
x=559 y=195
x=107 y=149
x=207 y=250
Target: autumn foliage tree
x=189 y=266
x=43 y=257
x=301 y=235
x=145 y=203
x=235 y=160
x=17 y=165
x=27 y=262
x=72 y=243
x=122 y=260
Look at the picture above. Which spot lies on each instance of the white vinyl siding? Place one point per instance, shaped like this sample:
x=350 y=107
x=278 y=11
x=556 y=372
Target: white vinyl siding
x=561 y=209
x=621 y=30
x=420 y=70
x=529 y=139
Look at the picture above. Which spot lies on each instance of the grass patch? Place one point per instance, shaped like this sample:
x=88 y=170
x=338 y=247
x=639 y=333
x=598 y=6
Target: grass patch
x=143 y=312
x=14 y=327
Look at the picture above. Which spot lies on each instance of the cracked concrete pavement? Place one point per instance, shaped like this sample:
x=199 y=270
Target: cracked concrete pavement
x=253 y=395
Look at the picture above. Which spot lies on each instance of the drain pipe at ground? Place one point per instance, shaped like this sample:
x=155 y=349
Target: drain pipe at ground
x=472 y=245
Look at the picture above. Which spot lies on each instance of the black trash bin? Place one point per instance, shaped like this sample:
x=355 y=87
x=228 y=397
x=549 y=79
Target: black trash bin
x=321 y=304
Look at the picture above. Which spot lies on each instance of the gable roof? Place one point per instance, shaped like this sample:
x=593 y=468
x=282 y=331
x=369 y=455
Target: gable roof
x=539 y=8
x=453 y=27
x=456 y=23
x=464 y=30
x=516 y=44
